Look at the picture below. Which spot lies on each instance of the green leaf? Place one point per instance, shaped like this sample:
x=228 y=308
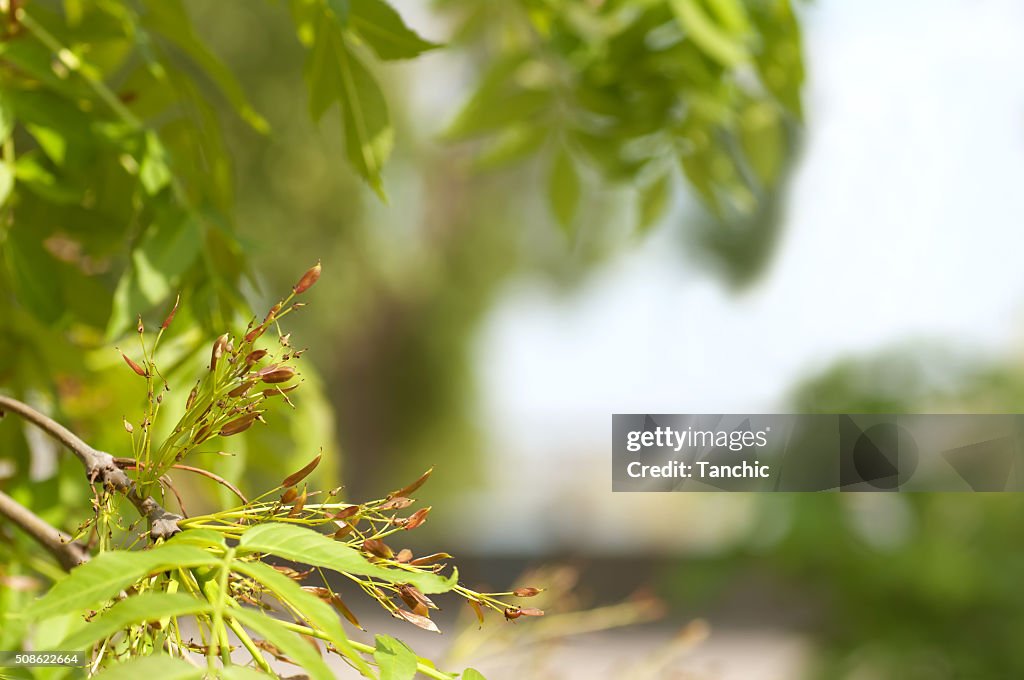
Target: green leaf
x=340 y=9
x=6 y=116
x=153 y=171
x=394 y=659
x=156 y=666
x=310 y=547
x=170 y=19
x=707 y=35
x=315 y=610
x=472 y=674
x=203 y=538
x=108 y=574
x=563 y=189
x=147 y=606
x=33 y=274
x=334 y=74
x=287 y=641
x=381 y=27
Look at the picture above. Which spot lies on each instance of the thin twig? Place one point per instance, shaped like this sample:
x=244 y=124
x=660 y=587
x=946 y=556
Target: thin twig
x=131 y=463
x=59 y=544
x=99 y=466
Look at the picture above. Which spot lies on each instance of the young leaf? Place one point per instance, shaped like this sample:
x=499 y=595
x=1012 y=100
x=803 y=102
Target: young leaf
x=564 y=189
x=304 y=545
x=381 y=27
x=394 y=659
x=156 y=666
x=472 y=674
x=147 y=606
x=287 y=641
x=107 y=574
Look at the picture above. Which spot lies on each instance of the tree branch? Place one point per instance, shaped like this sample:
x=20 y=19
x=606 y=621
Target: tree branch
x=99 y=466
x=65 y=550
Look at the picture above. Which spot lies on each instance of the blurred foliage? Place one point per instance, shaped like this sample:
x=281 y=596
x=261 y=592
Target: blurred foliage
x=887 y=585
x=632 y=89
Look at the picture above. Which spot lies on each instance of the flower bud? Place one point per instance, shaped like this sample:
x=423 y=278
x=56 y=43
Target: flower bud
x=307 y=280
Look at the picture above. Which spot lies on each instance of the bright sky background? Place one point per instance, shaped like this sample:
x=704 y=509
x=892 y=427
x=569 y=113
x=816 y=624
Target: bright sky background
x=905 y=221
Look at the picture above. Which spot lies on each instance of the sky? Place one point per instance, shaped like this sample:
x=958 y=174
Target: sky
x=904 y=222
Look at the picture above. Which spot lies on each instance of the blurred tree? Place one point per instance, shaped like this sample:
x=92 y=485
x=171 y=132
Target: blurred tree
x=910 y=585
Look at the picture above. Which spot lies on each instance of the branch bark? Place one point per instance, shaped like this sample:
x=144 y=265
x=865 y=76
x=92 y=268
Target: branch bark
x=101 y=467
x=59 y=544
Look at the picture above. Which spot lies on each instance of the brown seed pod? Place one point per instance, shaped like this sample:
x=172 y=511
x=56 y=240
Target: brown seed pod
x=345 y=513
x=272 y=314
x=344 y=529
x=307 y=280
x=531 y=611
x=412 y=596
x=273 y=391
x=296 y=477
x=407 y=491
x=289 y=495
x=404 y=556
x=417 y=518
x=238 y=425
x=430 y=559
x=139 y=370
x=397 y=503
x=379 y=548
x=242 y=389
x=254 y=356
x=300 y=503
x=527 y=592
x=170 y=317
x=416 y=620
x=278 y=375
x=127 y=426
